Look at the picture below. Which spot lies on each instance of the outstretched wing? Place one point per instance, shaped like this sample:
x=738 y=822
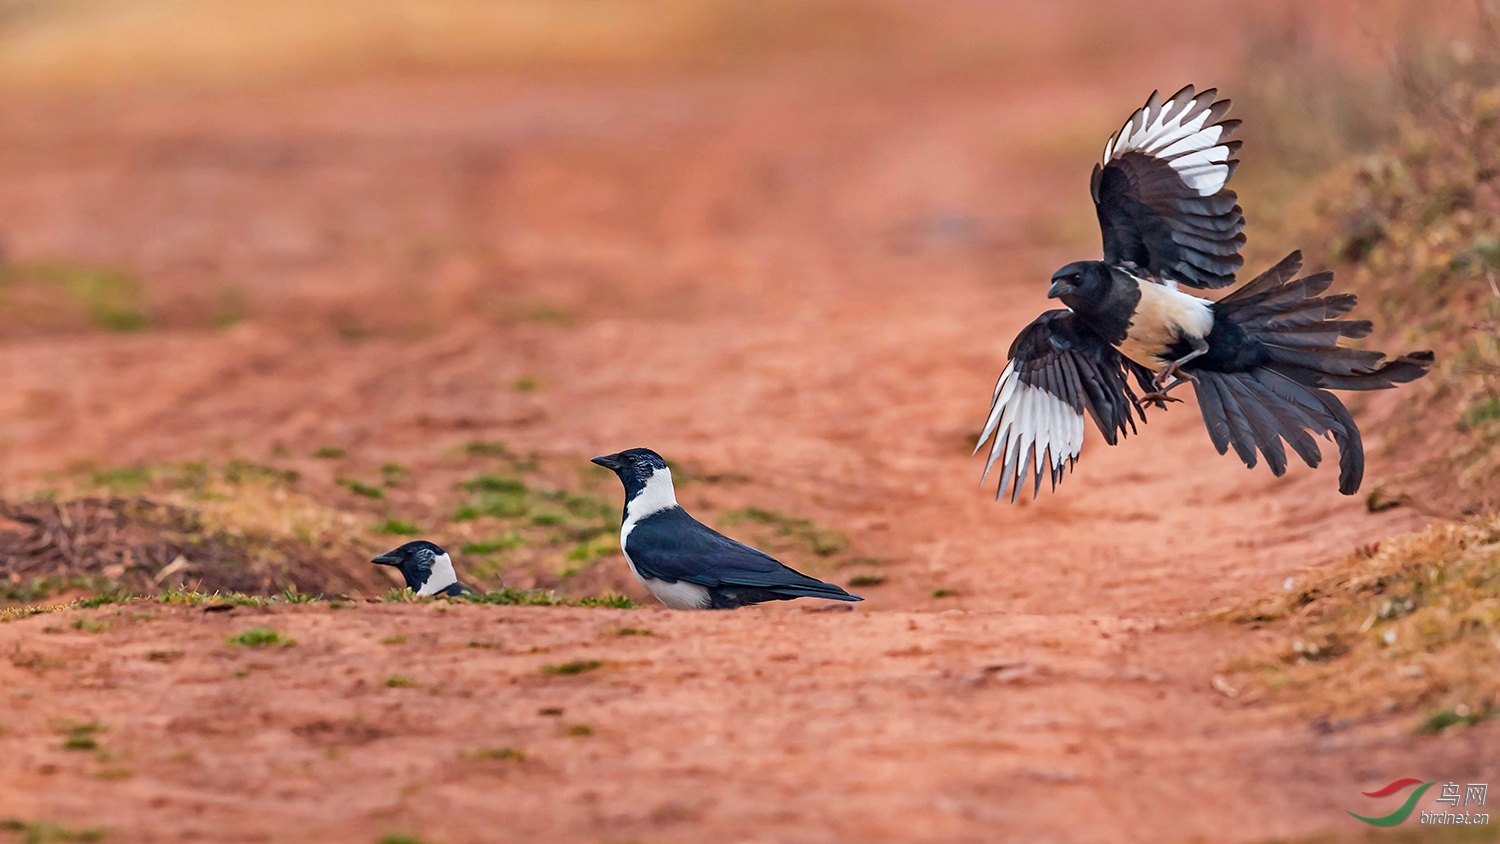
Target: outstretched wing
x=1058 y=370
x=1161 y=196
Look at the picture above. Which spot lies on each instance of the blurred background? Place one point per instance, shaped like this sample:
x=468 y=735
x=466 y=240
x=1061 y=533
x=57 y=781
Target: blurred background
x=285 y=284
x=406 y=265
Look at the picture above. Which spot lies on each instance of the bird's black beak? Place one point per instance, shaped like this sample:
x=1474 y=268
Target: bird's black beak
x=1060 y=287
x=387 y=560
x=608 y=461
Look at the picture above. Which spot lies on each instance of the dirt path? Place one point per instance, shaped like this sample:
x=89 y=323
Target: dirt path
x=811 y=285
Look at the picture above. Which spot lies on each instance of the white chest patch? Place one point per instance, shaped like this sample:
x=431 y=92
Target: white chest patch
x=441 y=577
x=1164 y=316
x=678 y=596
x=656 y=497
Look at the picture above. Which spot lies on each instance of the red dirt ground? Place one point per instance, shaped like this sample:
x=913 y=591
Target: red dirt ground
x=805 y=273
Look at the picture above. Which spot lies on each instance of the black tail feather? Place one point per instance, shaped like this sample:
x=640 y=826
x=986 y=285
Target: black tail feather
x=1285 y=395
x=1263 y=425
x=1254 y=411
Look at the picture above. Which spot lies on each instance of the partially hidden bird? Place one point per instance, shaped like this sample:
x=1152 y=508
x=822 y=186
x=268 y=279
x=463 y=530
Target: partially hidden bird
x=686 y=564
x=1261 y=359
x=426 y=568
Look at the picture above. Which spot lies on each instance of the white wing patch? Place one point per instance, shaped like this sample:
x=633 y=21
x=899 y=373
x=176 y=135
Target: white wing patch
x=1178 y=132
x=1033 y=430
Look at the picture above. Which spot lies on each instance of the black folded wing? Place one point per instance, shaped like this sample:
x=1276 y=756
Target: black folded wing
x=1161 y=196
x=1058 y=371
x=673 y=546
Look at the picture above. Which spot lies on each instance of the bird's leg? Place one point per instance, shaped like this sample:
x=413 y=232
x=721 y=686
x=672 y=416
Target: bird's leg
x=1173 y=371
x=1159 y=394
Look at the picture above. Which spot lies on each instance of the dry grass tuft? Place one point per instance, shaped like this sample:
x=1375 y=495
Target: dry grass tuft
x=242 y=527
x=1410 y=220
x=1410 y=626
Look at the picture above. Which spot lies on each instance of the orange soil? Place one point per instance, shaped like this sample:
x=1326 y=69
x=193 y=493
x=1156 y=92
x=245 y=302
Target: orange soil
x=810 y=279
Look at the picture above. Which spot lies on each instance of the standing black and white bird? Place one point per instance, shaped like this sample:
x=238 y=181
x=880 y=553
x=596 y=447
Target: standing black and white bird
x=686 y=564
x=1261 y=360
x=428 y=569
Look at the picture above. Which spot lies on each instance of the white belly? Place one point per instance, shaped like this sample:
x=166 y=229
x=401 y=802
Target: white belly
x=678 y=596
x=1163 y=317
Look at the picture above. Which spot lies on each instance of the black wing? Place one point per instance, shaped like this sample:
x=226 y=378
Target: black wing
x=674 y=546
x=1161 y=196
x=1058 y=370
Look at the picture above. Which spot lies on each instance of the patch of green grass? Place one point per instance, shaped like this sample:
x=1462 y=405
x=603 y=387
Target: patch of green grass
x=525 y=384
x=245 y=471
x=1477 y=414
x=399 y=682
x=45 y=832
x=486 y=448
x=859 y=580
x=104 y=598
x=80 y=742
x=580 y=730
x=521 y=597
x=1443 y=719
x=400 y=838
x=584 y=506
x=361 y=488
x=499 y=754
x=577 y=666
x=821 y=541
x=486 y=645
x=397 y=639
x=81 y=736
x=494 y=483
x=90 y=625
x=611 y=601
x=497 y=545
x=394 y=474
x=124 y=479
x=588 y=552
x=562 y=531
x=258 y=637
x=628 y=631
x=397 y=527
x=944 y=593
x=402 y=595
x=165 y=656
x=38 y=588
x=493 y=504
x=193 y=596
x=329 y=452
x=110 y=299
x=291 y=596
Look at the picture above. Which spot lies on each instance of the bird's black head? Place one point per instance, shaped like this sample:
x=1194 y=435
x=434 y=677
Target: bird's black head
x=1080 y=283
x=634 y=467
x=427 y=568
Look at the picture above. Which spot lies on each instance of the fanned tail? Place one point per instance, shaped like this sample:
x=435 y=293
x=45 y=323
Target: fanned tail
x=1285 y=396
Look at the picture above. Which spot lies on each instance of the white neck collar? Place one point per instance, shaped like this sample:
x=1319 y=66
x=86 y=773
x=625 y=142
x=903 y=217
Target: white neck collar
x=657 y=496
x=441 y=577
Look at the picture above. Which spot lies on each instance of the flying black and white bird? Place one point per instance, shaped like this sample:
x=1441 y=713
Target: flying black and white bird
x=428 y=569
x=1261 y=359
x=686 y=564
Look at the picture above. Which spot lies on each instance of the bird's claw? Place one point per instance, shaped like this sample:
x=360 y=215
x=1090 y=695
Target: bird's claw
x=1160 y=397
